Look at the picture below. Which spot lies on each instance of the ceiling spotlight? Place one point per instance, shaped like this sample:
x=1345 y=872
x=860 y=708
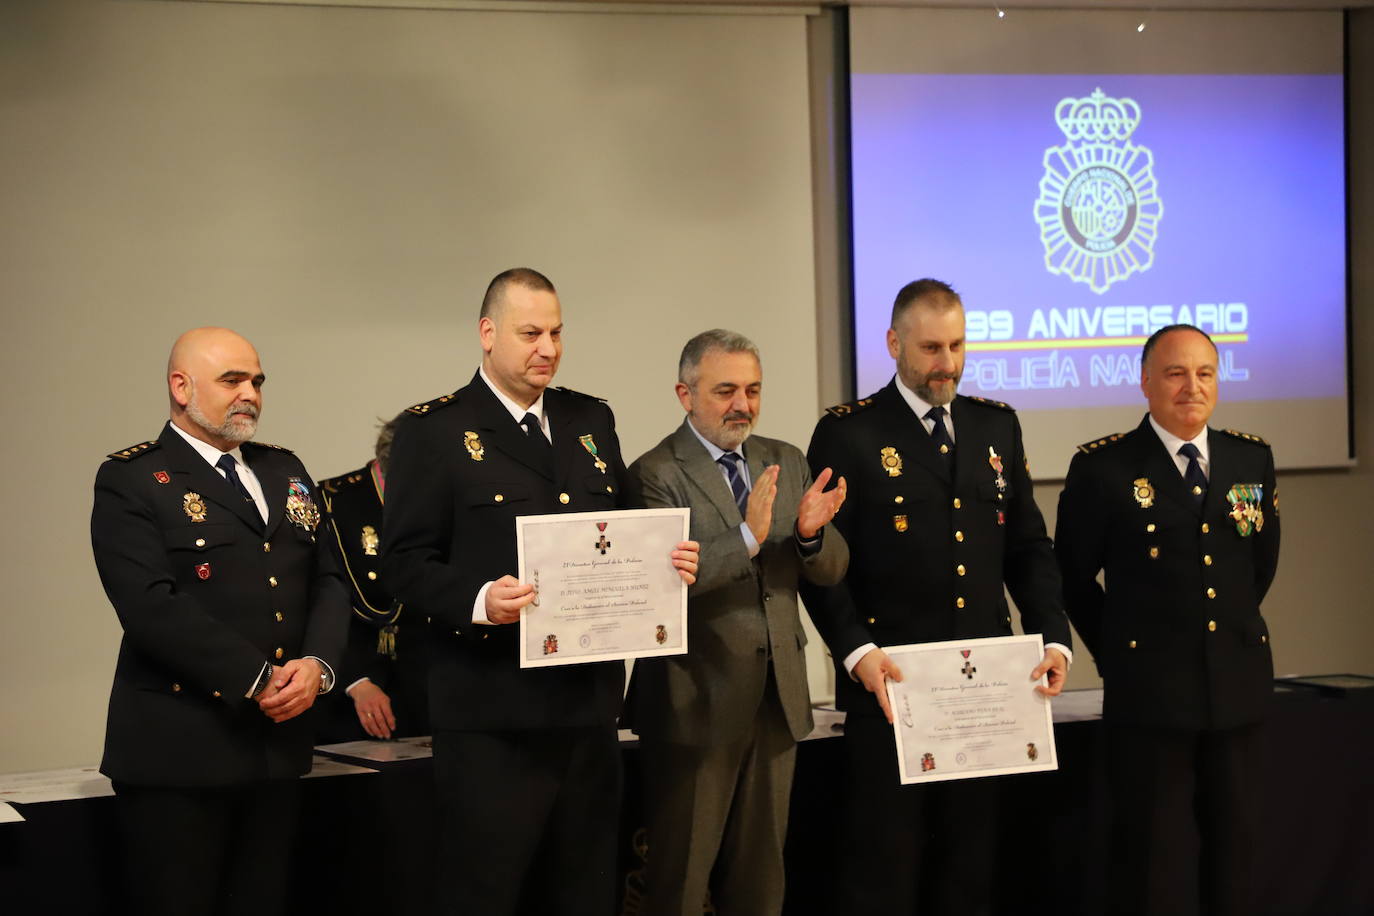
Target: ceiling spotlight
x=1141 y=27
x=1001 y=13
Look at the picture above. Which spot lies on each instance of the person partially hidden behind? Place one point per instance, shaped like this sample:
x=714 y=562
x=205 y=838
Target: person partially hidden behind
x=385 y=665
x=233 y=615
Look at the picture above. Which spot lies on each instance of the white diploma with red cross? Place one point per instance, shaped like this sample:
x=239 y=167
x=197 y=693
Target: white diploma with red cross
x=968 y=708
x=606 y=588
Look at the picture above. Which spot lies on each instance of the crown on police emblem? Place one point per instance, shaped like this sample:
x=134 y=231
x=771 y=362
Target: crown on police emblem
x=1097 y=117
x=1098 y=209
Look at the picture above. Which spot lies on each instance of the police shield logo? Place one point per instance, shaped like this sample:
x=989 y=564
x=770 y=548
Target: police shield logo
x=1099 y=207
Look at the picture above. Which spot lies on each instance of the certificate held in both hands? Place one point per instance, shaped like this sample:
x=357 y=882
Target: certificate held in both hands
x=968 y=708
x=605 y=587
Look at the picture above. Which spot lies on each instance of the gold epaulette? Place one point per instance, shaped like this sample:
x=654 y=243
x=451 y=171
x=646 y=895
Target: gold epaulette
x=1090 y=447
x=590 y=397
x=848 y=410
x=279 y=448
x=1248 y=437
x=1000 y=405
x=428 y=407
x=335 y=484
x=133 y=451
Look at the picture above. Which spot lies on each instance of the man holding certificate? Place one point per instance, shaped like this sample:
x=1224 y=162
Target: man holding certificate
x=526 y=760
x=940 y=519
x=720 y=725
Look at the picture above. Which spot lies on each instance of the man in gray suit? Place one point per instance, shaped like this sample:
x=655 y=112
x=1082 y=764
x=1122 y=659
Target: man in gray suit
x=719 y=725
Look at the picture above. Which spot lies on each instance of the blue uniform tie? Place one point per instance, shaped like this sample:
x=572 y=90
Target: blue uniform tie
x=1193 y=476
x=940 y=435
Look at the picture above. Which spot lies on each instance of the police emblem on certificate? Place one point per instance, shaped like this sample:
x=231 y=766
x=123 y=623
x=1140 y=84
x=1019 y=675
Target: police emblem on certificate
x=605 y=586
x=969 y=708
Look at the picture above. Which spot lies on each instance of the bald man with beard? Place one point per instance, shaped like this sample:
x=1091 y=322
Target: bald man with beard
x=233 y=614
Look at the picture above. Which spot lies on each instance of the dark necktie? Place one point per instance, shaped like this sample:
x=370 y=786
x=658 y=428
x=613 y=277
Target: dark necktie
x=940 y=435
x=530 y=423
x=227 y=464
x=1193 y=476
x=730 y=461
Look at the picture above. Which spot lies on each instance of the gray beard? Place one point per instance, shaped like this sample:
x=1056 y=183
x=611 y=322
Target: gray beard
x=228 y=430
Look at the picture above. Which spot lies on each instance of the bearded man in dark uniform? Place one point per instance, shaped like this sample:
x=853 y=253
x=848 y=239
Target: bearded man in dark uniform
x=1184 y=521
x=940 y=518
x=233 y=615
x=527 y=760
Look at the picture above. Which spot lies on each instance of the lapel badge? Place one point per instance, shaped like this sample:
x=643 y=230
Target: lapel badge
x=1143 y=492
x=590 y=445
x=1245 y=507
x=202 y=571
x=900 y=523
x=301 y=510
x=370 y=540
x=892 y=463
x=162 y=476
x=194 y=506
x=473 y=445
x=995 y=460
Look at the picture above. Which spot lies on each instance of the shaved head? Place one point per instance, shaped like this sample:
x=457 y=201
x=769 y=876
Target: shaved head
x=214 y=385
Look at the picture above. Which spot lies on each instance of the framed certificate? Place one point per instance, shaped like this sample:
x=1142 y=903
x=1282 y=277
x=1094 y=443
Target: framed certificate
x=968 y=708
x=605 y=586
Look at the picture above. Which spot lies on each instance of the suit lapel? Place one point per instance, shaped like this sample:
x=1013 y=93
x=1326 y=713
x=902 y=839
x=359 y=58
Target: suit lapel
x=500 y=431
x=704 y=474
x=1221 y=475
x=197 y=475
x=968 y=445
x=909 y=434
x=573 y=461
x=274 y=487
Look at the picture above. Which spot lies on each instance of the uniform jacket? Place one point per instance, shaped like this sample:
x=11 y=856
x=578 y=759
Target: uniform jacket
x=930 y=551
x=740 y=609
x=461 y=471
x=1177 y=633
x=380 y=643
x=204 y=602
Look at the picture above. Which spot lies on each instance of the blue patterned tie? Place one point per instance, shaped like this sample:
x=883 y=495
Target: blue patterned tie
x=730 y=461
x=1193 y=476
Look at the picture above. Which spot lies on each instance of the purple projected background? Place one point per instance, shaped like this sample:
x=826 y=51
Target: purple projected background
x=1249 y=172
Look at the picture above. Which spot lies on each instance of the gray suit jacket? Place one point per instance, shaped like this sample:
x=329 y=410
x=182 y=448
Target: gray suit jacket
x=740 y=609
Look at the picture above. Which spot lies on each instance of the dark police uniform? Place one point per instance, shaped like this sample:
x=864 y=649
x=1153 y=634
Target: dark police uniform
x=381 y=647
x=1183 y=651
x=206 y=593
x=461 y=471
x=930 y=553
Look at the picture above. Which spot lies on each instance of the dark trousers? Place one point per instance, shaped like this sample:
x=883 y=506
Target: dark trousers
x=202 y=851
x=1186 y=812
x=912 y=849
x=528 y=821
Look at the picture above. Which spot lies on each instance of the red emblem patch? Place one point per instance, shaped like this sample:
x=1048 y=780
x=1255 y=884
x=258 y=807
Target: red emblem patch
x=203 y=571
x=162 y=476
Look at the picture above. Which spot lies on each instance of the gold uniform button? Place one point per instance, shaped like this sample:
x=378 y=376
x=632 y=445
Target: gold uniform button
x=956 y=502
x=873 y=620
x=372 y=575
x=176 y=688
x=960 y=569
x=216 y=694
x=1150 y=528
x=1211 y=593
x=959 y=602
x=200 y=542
x=1211 y=626
x=1264 y=639
x=1206 y=559
x=272 y=581
x=499 y=498
x=1154 y=553
x=1197 y=491
x=277 y=654
x=609 y=490
x=1206 y=528
x=1131 y=644
x=959 y=536
x=279 y=617
x=899 y=499
x=266 y=546
x=944 y=450
x=485 y=635
x=564 y=498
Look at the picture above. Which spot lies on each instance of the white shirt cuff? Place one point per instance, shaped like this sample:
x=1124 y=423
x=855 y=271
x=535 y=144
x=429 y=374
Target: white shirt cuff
x=479 y=606
x=1068 y=654
x=854 y=657
x=349 y=689
x=751 y=543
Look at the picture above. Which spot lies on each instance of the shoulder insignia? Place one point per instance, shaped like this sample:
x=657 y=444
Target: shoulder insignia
x=1088 y=448
x=1000 y=405
x=277 y=448
x=853 y=407
x=1248 y=437
x=590 y=397
x=343 y=481
x=428 y=407
x=133 y=451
